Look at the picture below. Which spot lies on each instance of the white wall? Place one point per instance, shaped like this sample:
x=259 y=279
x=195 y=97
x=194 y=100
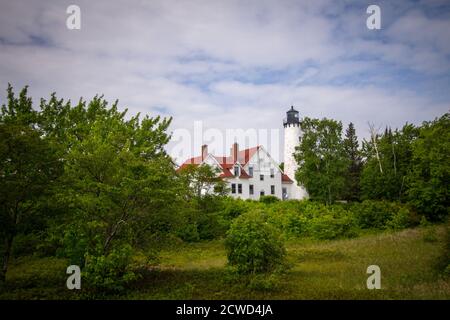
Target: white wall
x=292 y=134
x=262 y=164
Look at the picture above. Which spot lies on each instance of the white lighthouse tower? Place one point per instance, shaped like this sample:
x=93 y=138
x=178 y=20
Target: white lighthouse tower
x=292 y=136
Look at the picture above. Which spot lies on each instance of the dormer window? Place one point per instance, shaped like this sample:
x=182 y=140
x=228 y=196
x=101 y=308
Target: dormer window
x=236 y=171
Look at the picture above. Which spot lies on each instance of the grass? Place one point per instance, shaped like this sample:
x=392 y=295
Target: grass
x=411 y=268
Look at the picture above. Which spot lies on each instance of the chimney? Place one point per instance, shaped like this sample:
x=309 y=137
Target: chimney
x=204 y=151
x=234 y=152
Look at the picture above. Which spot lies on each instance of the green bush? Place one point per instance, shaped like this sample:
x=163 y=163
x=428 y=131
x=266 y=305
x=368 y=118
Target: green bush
x=268 y=199
x=253 y=245
x=211 y=226
x=328 y=227
x=26 y=244
x=384 y=214
x=312 y=219
x=403 y=218
x=233 y=208
x=109 y=272
x=372 y=214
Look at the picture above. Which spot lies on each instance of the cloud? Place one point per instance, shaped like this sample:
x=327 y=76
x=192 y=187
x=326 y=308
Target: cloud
x=234 y=64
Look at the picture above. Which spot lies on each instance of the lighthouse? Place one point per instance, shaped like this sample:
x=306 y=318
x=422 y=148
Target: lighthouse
x=292 y=136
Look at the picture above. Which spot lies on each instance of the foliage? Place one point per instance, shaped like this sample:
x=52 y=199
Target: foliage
x=202 y=214
x=116 y=185
x=332 y=227
x=110 y=272
x=320 y=270
x=353 y=155
x=429 y=177
x=388 y=157
x=321 y=158
x=89 y=184
x=268 y=199
x=30 y=166
x=383 y=215
x=253 y=245
x=202 y=180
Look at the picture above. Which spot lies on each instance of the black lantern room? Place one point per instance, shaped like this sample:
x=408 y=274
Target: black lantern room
x=292 y=117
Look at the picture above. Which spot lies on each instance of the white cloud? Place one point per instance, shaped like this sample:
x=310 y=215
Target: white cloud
x=231 y=64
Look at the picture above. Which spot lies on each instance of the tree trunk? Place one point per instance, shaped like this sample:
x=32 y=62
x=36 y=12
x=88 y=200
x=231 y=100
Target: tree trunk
x=373 y=135
x=6 y=256
x=395 y=159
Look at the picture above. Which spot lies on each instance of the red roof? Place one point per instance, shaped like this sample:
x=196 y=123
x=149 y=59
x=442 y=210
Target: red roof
x=286 y=179
x=243 y=158
x=226 y=164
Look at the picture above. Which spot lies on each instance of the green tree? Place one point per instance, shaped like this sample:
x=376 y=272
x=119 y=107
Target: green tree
x=321 y=159
x=429 y=178
x=19 y=110
x=202 y=180
x=387 y=163
x=203 y=191
x=353 y=155
x=120 y=183
x=29 y=167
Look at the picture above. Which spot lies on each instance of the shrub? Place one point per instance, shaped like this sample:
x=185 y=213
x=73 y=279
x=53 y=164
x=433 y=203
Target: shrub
x=327 y=227
x=26 y=244
x=211 y=225
x=384 y=214
x=253 y=245
x=268 y=199
x=372 y=214
x=402 y=218
x=233 y=208
x=188 y=232
x=109 y=272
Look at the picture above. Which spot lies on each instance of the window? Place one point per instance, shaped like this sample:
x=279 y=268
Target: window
x=236 y=171
x=233 y=188
x=272 y=173
x=272 y=189
x=251 y=189
x=239 y=188
x=250 y=171
x=261 y=193
x=261 y=177
x=285 y=193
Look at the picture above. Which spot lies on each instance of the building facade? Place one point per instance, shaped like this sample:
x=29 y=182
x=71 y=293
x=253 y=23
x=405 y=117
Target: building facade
x=252 y=173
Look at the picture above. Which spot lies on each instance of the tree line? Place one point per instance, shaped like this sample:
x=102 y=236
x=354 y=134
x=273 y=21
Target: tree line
x=409 y=165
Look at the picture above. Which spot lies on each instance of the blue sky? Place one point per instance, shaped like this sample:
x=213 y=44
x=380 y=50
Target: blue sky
x=236 y=64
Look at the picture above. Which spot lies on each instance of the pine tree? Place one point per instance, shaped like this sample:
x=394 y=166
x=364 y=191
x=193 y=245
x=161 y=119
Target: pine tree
x=353 y=154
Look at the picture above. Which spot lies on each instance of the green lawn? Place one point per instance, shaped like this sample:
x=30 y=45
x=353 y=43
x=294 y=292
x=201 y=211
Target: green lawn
x=410 y=267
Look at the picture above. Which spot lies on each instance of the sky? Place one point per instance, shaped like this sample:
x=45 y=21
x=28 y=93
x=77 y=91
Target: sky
x=228 y=70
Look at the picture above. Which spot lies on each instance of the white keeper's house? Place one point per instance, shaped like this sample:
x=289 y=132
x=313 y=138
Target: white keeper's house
x=252 y=172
